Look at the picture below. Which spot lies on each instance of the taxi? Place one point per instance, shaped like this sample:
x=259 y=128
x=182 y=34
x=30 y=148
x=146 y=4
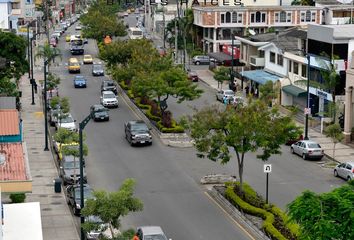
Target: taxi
x=88 y=59
x=67 y=38
x=59 y=146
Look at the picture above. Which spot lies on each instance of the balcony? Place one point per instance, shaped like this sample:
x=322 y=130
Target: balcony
x=16 y=11
x=257 y=61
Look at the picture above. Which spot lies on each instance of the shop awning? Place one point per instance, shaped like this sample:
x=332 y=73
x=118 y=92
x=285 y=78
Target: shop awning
x=260 y=76
x=295 y=91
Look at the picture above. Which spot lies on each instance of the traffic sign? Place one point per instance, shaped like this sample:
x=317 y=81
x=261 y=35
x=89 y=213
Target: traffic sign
x=307 y=111
x=267 y=168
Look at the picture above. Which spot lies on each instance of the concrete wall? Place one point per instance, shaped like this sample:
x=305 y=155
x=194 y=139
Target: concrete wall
x=274 y=67
x=16 y=186
x=4 y=15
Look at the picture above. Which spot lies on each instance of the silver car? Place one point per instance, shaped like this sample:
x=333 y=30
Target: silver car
x=307 y=149
x=224 y=93
x=150 y=232
x=345 y=170
x=201 y=59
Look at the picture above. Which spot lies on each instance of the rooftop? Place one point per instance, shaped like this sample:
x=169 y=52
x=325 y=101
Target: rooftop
x=14 y=167
x=9 y=122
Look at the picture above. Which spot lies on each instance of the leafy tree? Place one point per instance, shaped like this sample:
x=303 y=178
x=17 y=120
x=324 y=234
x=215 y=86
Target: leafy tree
x=325 y=216
x=249 y=129
x=334 y=132
x=268 y=92
x=52 y=81
x=48 y=53
x=13 y=49
x=7 y=87
x=65 y=136
x=111 y=206
x=222 y=74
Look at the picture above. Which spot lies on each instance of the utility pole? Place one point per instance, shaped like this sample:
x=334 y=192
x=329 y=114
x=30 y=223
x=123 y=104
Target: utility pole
x=28 y=52
x=176 y=40
x=164 y=29
x=47 y=20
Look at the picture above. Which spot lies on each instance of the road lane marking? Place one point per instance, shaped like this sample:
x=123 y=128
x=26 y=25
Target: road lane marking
x=227 y=214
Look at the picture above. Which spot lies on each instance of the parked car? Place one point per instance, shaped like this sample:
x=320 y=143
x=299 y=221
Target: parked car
x=102 y=232
x=345 y=170
x=109 y=99
x=80 y=82
x=193 y=76
x=53 y=116
x=67 y=121
x=150 y=232
x=307 y=149
x=109 y=85
x=229 y=94
x=74 y=197
x=69 y=170
x=88 y=59
x=99 y=113
x=97 y=69
x=78 y=27
x=201 y=59
x=137 y=132
x=59 y=146
x=64 y=25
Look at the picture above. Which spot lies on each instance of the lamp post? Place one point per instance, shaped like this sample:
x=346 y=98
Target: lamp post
x=82 y=202
x=32 y=81
x=45 y=107
x=28 y=52
x=307 y=98
x=232 y=60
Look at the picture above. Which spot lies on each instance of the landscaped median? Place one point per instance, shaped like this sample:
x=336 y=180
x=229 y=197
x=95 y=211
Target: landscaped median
x=275 y=223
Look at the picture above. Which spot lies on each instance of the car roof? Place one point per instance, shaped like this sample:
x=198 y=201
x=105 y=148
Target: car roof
x=150 y=230
x=107 y=81
x=98 y=106
x=137 y=122
x=309 y=141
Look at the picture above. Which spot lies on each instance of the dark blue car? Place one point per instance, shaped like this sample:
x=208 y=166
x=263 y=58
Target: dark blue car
x=80 y=82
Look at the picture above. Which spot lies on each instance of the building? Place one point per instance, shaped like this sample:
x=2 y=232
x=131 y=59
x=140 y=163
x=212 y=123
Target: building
x=14 y=13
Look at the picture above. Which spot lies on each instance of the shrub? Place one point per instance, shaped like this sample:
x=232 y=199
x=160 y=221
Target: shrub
x=123 y=85
x=174 y=129
x=249 y=195
x=130 y=94
x=167 y=119
x=17 y=197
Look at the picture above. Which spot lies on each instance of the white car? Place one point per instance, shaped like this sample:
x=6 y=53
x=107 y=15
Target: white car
x=109 y=99
x=150 y=232
x=224 y=93
x=307 y=149
x=78 y=27
x=345 y=170
x=66 y=122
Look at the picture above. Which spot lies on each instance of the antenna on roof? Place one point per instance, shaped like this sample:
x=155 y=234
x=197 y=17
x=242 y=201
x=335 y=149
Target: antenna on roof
x=252 y=32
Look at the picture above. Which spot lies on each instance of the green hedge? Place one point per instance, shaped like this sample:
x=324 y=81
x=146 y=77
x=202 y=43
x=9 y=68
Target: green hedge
x=123 y=85
x=174 y=129
x=248 y=208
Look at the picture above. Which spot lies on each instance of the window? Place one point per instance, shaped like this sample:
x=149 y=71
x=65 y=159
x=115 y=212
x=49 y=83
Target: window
x=296 y=68
x=290 y=67
x=288 y=17
x=228 y=17
x=261 y=54
x=282 y=16
x=258 y=17
x=303 y=70
x=280 y=60
x=313 y=17
x=272 y=57
x=308 y=16
x=302 y=17
x=222 y=18
x=239 y=18
x=234 y=17
x=276 y=17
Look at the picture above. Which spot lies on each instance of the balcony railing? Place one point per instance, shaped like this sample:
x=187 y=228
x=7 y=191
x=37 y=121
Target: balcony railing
x=257 y=61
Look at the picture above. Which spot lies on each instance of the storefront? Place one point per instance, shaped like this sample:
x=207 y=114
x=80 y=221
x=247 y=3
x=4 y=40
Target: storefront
x=319 y=101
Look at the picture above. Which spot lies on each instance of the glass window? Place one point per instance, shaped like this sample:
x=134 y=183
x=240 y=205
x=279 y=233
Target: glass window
x=288 y=17
x=272 y=57
x=222 y=18
x=239 y=18
x=290 y=67
x=261 y=53
x=296 y=68
x=234 y=17
x=263 y=17
x=258 y=17
x=302 y=17
x=252 y=17
x=280 y=60
x=276 y=17
x=228 y=17
x=282 y=16
x=313 y=17
x=308 y=16
x=303 y=70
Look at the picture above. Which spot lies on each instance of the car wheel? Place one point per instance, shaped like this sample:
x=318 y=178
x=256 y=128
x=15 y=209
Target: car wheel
x=304 y=156
x=335 y=173
x=292 y=150
x=197 y=63
x=349 y=178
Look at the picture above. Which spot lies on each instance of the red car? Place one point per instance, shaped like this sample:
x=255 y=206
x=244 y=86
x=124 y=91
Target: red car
x=193 y=76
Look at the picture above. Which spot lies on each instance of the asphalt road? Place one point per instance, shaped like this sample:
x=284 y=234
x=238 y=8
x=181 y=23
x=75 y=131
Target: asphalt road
x=167 y=178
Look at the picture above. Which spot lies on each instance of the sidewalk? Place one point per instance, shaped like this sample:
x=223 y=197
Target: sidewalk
x=343 y=152
x=57 y=220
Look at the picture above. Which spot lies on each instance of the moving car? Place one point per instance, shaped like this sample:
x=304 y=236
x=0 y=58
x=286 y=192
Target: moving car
x=78 y=27
x=97 y=69
x=99 y=113
x=69 y=170
x=76 y=49
x=137 y=132
x=201 y=59
x=229 y=94
x=80 y=82
x=109 y=85
x=345 y=170
x=73 y=65
x=74 y=197
x=88 y=59
x=67 y=122
x=109 y=99
x=150 y=232
x=193 y=76
x=307 y=149
x=67 y=38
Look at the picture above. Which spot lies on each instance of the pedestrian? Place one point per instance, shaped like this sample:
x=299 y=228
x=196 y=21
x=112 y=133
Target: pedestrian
x=247 y=89
x=256 y=92
x=136 y=237
x=225 y=100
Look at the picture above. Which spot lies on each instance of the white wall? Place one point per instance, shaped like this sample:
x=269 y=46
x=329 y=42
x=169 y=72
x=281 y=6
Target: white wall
x=4 y=17
x=274 y=67
x=350 y=50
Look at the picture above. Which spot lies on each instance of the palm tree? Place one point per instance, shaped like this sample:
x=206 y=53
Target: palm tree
x=48 y=53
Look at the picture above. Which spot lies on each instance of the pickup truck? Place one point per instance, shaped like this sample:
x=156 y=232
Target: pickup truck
x=77 y=49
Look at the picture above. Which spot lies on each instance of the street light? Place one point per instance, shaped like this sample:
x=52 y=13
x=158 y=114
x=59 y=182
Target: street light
x=81 y=127
x=45 y=107
x=307 y=98
x=232 y=61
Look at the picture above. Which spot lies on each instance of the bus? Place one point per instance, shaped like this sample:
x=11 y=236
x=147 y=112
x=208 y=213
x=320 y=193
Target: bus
x=76 y=40
x=135 y=33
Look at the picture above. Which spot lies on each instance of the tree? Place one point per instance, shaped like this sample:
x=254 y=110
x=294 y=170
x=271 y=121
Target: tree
x=334 y=132
x=7 y=87
x=13 y=50
x=111 y=206
x=52 y=81
x=249 y=129
x=48 y=53
x=222 y=74
x=268 y=92
x=325 y=216
x=65 y=136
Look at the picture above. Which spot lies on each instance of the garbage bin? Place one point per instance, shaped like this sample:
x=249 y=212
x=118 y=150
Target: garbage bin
x=57 y=185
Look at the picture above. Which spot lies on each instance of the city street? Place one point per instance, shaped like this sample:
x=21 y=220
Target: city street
x=168 y=178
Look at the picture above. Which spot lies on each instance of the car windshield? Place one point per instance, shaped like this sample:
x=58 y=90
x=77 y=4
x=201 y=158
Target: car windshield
x=109 y=84
x=155 y=237
x=97 y=67
x=313 y=145
x=87 y=193
x=71 y=164
x=67 y=119
x=139 y=127
x=109 y=95
x=229 y=92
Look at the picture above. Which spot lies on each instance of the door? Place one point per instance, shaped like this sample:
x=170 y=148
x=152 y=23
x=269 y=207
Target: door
x=341 y=170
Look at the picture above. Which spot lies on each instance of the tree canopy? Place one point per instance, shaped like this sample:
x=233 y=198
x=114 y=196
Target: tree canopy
x=250 y=128
x=222 y=74
x=327 y=215
x=111 y=206
x=48 y=53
